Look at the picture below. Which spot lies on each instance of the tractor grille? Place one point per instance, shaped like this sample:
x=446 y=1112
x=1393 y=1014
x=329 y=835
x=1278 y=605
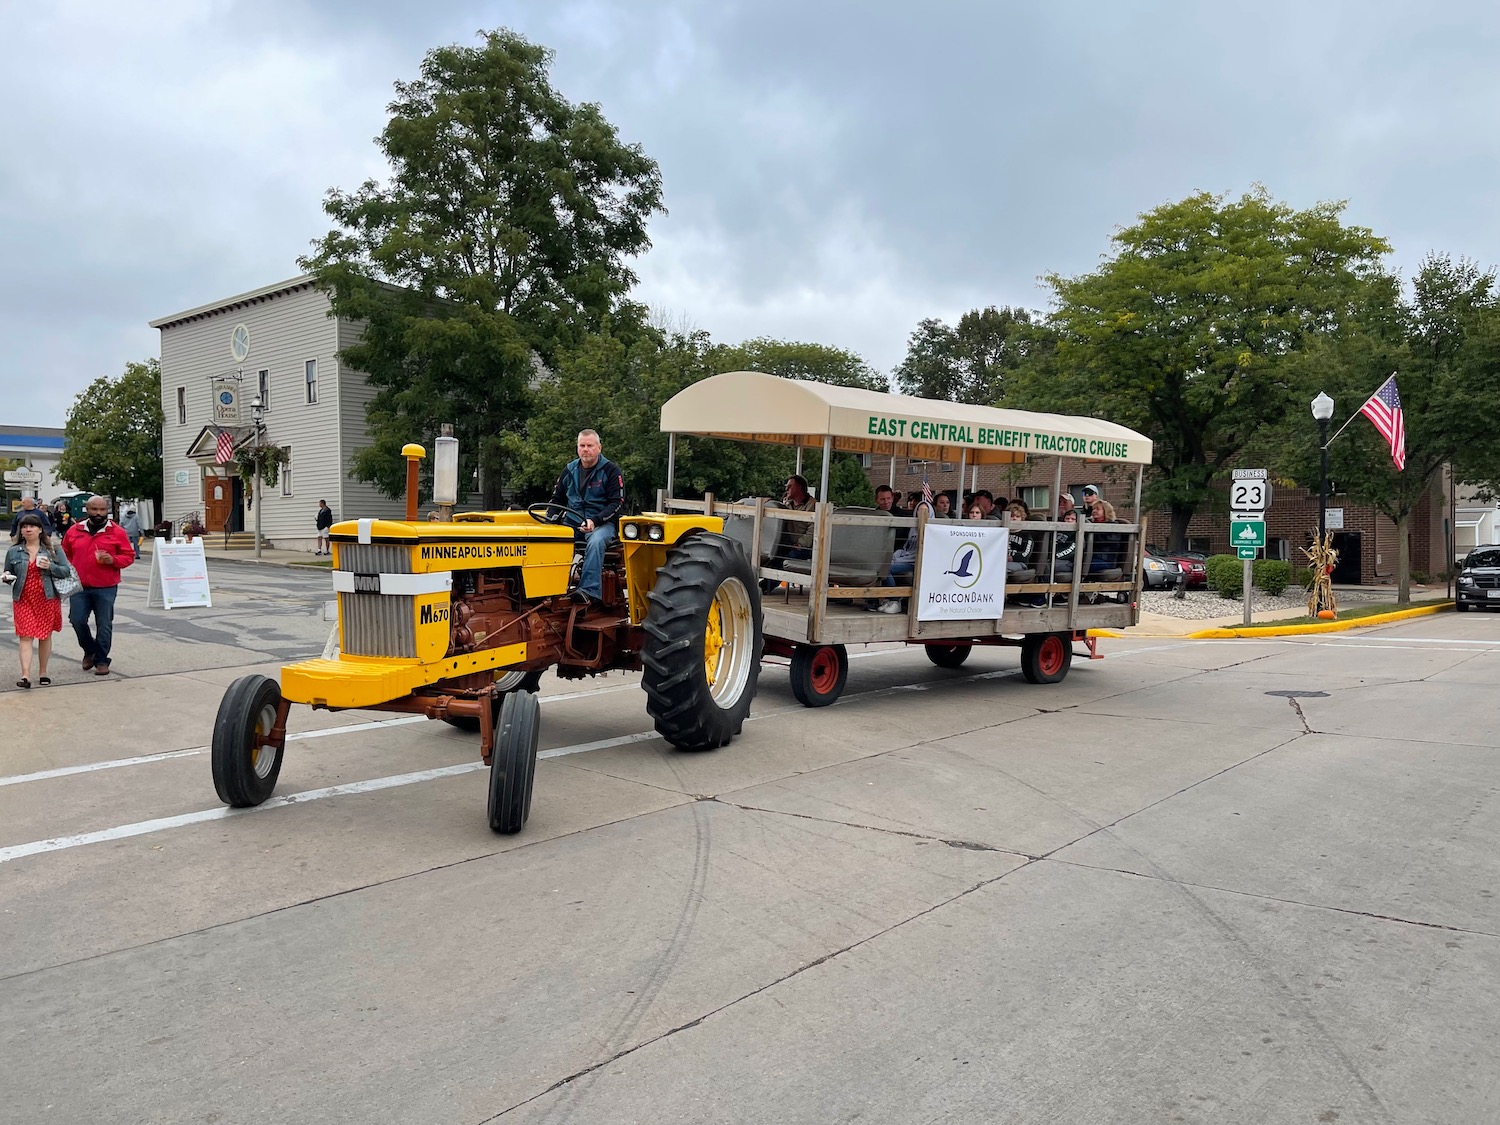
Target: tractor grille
x=375 y=558
x=378 y=624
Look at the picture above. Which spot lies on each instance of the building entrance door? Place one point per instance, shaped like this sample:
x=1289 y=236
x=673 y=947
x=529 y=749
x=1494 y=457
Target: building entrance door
x=218 y=503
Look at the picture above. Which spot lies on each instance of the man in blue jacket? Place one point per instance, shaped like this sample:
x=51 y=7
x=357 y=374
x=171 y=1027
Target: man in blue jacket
x=593 y=487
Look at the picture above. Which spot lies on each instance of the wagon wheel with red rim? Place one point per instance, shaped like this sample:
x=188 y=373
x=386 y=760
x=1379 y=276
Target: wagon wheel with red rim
x=1046 y=657
x=819 y=673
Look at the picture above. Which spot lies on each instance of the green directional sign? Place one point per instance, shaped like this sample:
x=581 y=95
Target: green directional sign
x=1247 y=552
x=1247 y=533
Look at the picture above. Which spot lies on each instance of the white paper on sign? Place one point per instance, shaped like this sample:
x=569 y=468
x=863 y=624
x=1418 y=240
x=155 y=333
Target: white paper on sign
x=179 y=575
x=963 y=571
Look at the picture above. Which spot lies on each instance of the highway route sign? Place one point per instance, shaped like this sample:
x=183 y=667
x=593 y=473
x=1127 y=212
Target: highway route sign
x=1249 y=494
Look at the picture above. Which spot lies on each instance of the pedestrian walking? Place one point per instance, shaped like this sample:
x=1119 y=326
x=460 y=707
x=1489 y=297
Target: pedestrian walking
x=29 y=507
x=98 y=549
x=325 y=521
x=132 y=525
x=33 y=567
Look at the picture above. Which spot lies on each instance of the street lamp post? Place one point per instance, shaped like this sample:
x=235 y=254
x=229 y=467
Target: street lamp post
x=1322 y=410
x=257 y=412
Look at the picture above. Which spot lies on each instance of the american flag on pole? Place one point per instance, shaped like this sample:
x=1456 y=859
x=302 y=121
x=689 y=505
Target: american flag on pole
x=224 y=447
x=1384 y=409
x=926 y=491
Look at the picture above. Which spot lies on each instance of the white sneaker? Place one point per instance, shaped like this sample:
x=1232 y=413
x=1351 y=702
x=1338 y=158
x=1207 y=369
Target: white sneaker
x=892 y=606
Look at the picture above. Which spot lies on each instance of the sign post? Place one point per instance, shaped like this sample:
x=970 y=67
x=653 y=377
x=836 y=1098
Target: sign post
x=1249 y=538
x=1249 y=497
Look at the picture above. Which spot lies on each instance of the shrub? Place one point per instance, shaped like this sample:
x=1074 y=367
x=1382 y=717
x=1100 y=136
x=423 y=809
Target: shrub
x=1302 y=576
x=1225 y=573
x=1272 y=575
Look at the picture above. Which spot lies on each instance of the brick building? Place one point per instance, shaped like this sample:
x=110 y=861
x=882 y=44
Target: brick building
x=1366 y=543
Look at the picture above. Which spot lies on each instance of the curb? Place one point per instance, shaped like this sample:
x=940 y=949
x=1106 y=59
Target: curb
x=1274 y=630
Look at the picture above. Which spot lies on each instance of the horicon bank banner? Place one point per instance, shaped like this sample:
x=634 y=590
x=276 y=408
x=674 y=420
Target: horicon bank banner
x=963 y=572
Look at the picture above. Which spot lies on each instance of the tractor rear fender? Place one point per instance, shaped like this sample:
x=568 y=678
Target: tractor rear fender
x=647 y=539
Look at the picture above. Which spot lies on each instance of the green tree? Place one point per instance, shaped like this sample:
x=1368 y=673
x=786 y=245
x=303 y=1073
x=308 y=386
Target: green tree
x=1191 y=330
x=1443 y=344
x=502 y=237
x=113 y=435
x=973 y=362
x=818 y=363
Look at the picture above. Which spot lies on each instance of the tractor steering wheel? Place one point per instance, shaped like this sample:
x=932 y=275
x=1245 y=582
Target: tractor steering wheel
x=552 y=513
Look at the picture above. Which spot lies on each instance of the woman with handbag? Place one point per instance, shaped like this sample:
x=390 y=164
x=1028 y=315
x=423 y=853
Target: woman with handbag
x=39 y=576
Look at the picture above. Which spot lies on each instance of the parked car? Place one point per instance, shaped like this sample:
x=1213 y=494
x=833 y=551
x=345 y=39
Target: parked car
x=1160 y=572
x=1479 y=580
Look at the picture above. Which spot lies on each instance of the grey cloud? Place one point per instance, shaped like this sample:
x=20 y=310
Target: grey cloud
x=834 y=171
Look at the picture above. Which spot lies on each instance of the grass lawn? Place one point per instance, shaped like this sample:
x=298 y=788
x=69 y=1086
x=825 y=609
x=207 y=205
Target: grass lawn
x=1364 y=609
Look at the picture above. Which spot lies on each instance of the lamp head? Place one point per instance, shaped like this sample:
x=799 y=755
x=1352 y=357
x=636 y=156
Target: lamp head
x=1322 y=407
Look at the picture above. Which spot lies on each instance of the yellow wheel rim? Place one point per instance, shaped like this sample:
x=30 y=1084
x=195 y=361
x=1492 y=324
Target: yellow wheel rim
x=713 y=642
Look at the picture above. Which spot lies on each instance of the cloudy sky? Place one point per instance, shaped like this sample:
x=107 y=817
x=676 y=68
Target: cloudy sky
x=834 y=171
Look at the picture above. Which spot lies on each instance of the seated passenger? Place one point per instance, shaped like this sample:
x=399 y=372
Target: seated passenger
x=798 y=537
x=903 y=565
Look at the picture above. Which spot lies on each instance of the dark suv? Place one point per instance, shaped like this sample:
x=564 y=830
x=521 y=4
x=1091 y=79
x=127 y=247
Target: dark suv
x=1479 y=580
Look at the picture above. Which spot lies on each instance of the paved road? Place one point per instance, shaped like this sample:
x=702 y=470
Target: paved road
x=1160 y=891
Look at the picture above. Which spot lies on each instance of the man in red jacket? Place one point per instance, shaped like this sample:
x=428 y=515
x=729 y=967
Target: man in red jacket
x=99 y=549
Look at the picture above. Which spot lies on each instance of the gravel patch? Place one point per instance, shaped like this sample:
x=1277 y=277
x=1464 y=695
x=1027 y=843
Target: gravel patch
x=1201 y=605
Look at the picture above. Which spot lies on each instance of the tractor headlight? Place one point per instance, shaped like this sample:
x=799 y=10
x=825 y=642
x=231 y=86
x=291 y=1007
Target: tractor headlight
x=655 y=532
x=630 y=531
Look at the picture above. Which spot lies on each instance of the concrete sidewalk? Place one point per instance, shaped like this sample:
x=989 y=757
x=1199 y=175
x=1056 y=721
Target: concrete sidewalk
x=1165 y=625
x=213 y=548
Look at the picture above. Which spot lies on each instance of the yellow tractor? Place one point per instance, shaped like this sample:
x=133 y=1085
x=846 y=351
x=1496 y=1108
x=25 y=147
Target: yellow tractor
x=457 y=621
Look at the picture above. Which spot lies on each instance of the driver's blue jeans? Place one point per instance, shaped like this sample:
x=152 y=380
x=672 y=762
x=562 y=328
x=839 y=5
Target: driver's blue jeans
x=591 y=574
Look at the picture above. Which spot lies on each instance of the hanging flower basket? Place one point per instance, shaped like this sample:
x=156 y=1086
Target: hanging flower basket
x=262 y=463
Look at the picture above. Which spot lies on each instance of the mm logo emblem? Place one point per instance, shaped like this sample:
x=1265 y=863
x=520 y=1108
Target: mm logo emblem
x=433 y=615
x=367 y=583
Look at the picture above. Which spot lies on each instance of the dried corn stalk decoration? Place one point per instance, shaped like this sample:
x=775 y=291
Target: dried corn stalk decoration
x=1322 y=558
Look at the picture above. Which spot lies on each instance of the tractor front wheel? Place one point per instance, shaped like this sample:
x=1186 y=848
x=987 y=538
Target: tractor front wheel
x=505 y=683
x=819 y=673
x=1046 y=657
x=513 y=763
x=701 y=658
x=245 y=768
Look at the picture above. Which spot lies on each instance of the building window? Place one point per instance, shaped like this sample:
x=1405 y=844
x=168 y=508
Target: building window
x=311 y=368
x=1279 y=549
x=1037 y=497
x=1202 y=544
x=286 y=474
x=263 y=388
x=182 y=406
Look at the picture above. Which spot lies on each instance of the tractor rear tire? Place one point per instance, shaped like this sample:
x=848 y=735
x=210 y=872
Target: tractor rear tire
x=819 y=673
x=506 y=683
x=245 y=772
x=513 y=761
x=701 y=658
x=1046 y=657
x=948 y=656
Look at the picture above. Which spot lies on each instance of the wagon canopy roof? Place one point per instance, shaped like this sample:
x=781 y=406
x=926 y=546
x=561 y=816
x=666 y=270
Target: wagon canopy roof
x=752 y=406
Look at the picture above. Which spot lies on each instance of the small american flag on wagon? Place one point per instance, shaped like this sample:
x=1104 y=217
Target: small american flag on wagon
x=1384 y=409
x=224 y=446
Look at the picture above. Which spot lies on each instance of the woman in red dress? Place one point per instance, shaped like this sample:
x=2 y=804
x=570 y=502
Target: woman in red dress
x=32 y=568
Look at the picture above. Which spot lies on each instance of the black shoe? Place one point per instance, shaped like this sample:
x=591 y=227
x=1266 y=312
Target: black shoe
x=578 y=597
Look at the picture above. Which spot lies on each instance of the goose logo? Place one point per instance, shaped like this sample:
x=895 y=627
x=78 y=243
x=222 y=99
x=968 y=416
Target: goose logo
x=968 y=565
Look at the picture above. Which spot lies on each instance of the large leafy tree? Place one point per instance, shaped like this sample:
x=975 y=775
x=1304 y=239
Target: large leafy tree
x=1190 y=330
x=113 y=435
x=973 y=362
x=502 y=238
x=819 y=363
x=1443 y=345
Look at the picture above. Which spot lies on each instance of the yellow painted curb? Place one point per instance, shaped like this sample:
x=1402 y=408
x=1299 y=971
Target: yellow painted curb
x=1273 y=630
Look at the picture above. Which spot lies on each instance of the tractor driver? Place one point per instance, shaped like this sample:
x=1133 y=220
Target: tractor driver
x=594 y=487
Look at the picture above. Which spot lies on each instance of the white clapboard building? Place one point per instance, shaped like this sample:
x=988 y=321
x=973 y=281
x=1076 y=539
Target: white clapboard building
x=277 y=343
